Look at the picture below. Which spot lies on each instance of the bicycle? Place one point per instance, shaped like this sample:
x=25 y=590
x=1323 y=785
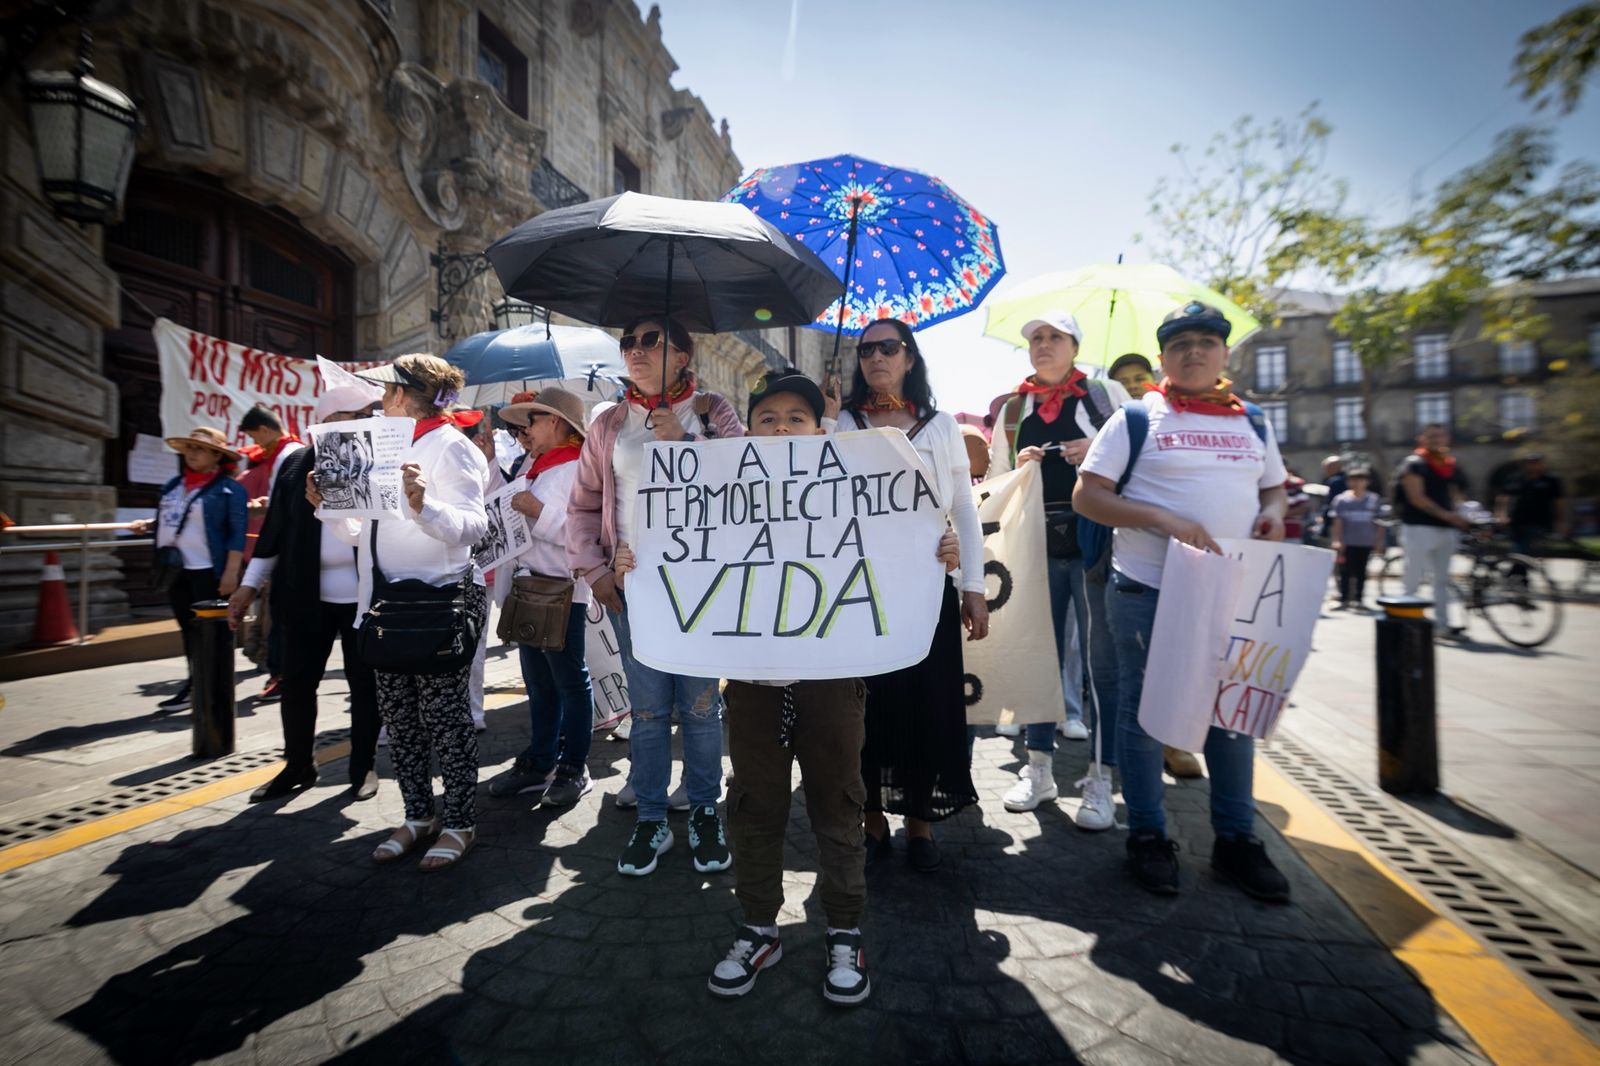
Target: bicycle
x=1512 y=592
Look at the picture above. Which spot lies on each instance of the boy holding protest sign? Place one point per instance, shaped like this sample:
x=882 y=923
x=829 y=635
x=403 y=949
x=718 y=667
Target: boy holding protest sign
x=770 y=725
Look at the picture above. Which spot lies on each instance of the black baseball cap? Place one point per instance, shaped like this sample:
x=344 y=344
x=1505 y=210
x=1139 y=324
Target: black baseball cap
x=1131 y=359
x=1193 y=315
x=789 y=379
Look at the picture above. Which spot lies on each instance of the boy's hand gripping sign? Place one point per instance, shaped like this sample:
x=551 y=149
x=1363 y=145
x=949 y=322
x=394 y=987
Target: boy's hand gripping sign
x=785 y=558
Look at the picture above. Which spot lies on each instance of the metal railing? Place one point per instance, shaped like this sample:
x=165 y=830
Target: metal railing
x=83 y=545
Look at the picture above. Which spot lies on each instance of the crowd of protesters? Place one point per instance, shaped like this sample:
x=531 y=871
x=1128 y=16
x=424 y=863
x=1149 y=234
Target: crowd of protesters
x=869 y=748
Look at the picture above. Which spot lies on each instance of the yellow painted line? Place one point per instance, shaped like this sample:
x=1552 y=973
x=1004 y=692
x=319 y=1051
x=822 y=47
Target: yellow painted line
x=31 y=851
x=1509 y=1021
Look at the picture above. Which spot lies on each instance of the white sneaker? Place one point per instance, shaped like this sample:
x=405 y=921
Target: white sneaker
x=1035 y=784
x=1008 y=730
x=625 y=797
x=1098 y=811
x=1075 y=729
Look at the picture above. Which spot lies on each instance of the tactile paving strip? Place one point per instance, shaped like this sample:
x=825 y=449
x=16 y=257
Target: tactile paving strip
x=1559 y=963
x=32 y=827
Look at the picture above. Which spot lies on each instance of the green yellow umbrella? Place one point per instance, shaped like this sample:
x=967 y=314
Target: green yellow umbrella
x=1117 y=305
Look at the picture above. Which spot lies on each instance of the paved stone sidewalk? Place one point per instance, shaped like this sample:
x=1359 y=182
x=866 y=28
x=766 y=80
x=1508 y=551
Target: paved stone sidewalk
x=264 y=934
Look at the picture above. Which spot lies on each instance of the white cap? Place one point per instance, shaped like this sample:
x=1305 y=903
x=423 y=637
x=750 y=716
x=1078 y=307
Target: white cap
x=1061 y=320
x=343 y=391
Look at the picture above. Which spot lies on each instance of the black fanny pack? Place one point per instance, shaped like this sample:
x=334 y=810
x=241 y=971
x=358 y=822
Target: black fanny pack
x=413 y=627
x=1061 y=534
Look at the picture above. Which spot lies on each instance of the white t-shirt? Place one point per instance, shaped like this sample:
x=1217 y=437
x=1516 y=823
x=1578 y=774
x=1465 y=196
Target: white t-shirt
x=1206 y=468
x=191 y=539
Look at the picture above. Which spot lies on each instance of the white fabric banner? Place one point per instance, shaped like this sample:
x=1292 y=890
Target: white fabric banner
x=207 y=381
x=785 y=558
x=507 y=535
x=1231 y=635
x=1013 y=676
x=151 y=462
x=609 y=683
x=358 y=466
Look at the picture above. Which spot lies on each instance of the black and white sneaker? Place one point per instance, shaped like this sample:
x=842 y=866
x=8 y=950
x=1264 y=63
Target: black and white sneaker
x=708 y=843
x=752 y=952
x=846 y=983
x=522 y=777
x=178 y=701
x=649 y=840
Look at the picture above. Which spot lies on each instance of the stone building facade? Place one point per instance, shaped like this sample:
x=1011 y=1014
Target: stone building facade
x=1500 y=400
x=300 y=164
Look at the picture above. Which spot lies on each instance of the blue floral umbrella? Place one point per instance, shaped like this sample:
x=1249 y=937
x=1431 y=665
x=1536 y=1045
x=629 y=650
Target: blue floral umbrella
x=905 y=245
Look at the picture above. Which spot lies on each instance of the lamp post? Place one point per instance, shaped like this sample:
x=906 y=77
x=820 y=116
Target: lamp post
x=83 y=138
x=509 y=313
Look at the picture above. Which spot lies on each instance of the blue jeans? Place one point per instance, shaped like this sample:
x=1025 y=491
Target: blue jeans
x=654 y=695
x=560 y=706
x=1071 y=589
x=1230 y=757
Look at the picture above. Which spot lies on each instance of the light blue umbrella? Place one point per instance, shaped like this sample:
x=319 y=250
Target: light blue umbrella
x=536 y=352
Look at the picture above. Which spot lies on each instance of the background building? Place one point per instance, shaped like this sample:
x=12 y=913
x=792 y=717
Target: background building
x=300 y=167
x=1500 y=400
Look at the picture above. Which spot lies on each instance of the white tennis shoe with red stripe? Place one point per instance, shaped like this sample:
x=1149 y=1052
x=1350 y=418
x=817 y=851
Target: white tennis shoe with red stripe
x=752 y=952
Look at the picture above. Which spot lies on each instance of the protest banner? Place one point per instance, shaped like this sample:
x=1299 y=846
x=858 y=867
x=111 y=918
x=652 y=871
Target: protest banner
x=1231 y=635
x=604 y=658
x=507 y=536
x=151 y=462
x=207 y=381
x=1013 y=676
x=357 y=468
x=785 y=558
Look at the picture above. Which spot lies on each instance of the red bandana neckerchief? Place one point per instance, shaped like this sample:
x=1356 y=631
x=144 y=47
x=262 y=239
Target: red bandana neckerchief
x=679 y=392
x=465 y=420
x=1443 y=464
x=267 y=457
x=566 y=453
x=881 y=401
x=1217 y=400
x=428 y=425
x=1053 y=397
x=193 y=481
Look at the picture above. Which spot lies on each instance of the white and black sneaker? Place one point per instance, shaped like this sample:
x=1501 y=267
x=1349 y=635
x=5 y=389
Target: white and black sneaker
x=846 y=983
x=649 y=840
x=752 y=952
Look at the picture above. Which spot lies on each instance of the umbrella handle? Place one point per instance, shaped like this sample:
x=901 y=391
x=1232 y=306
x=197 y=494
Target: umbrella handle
x=666 y=329
x=844 y=297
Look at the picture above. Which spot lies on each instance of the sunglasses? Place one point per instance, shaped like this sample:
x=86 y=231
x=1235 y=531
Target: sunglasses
x=645 y=341
x=889 y=348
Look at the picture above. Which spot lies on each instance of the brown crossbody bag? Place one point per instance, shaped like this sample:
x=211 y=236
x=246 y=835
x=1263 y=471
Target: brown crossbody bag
x=537 y=611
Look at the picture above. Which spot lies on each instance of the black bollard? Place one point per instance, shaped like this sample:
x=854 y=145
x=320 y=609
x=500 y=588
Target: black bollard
x=212 y=680
x=1408 y=736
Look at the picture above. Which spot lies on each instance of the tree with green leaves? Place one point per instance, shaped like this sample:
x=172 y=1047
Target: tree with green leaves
x=1554 y=60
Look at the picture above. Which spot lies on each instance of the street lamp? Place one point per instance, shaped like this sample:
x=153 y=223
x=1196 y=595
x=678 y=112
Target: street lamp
x=509 y=313
x=83 y=137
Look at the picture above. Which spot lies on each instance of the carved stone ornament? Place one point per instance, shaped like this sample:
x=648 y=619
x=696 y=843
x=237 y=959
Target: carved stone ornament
x=415 y=100
x=674 y=121
x=585 y=18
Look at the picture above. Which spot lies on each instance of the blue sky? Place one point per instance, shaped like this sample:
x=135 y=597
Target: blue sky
x=1055 y=118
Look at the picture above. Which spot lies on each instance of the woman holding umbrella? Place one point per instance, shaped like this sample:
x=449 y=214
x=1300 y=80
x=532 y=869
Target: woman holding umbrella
x=915 y=761
x=659 y=404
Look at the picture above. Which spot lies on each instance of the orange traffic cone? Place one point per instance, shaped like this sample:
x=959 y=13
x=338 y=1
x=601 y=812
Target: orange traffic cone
x=53 y=623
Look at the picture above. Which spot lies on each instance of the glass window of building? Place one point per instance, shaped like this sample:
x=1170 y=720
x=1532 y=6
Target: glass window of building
x=1433 y=407
x=1518 y=357
x=1346 y=364
x=1349 y=424
x=1431 y=356
x=1272 y=367
x=1277 y=413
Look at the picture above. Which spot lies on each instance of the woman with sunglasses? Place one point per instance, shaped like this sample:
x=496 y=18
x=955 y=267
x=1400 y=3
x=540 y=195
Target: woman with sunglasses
x=659 y=404
x=915 y=759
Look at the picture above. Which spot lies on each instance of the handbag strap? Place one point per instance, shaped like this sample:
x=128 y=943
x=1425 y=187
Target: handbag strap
x=189 y=506
x=379 y=582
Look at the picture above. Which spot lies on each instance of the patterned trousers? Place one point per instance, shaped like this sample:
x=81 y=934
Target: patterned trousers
x=428 y=715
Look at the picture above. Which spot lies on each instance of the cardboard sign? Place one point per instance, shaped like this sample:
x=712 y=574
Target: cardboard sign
x=606 y=678
x=357 y=469
x=785 y=558
x=1231 y=635
x=1013 y=677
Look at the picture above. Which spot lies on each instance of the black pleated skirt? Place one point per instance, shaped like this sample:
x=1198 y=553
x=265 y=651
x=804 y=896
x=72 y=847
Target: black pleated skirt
x=914 y=762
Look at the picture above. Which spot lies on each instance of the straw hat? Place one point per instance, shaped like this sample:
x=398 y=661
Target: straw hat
x=206 y=437
x=559 y=402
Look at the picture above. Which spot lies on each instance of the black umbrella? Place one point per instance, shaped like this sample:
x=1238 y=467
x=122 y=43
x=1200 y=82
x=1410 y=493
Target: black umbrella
x=713 y=267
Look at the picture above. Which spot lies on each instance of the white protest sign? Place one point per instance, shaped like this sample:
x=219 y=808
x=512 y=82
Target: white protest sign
x=1013 y=676
x=207 y=381
x=779 y=558
x=151 y=462
x=1280 y=600
x=604 y=658
x=1230 y=637
x=507 y=536
x=358 y=466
